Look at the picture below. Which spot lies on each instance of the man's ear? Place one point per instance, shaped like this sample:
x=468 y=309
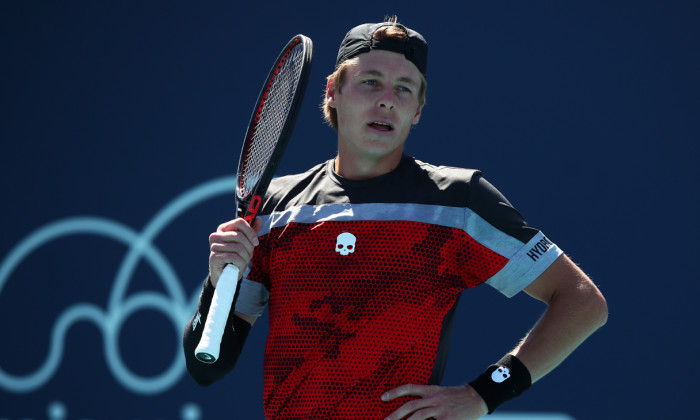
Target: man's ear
x=419 y=112
x=330 y=93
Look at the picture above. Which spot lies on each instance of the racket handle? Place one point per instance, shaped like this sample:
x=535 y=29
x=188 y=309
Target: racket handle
x=209 y=345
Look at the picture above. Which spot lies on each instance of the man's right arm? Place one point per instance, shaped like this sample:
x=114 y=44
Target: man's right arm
x=237 y=329
x=232 y=243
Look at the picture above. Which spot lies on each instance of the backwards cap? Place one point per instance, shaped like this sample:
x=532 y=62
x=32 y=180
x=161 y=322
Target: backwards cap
x=360 y=40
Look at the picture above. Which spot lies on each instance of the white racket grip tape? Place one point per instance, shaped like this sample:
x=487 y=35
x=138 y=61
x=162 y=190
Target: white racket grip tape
x=209 y=345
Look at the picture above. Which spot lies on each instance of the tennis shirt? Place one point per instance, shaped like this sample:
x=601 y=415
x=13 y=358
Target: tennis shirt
x=360 y=279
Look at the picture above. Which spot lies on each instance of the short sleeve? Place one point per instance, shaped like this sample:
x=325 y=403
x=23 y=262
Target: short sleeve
x=499 y=226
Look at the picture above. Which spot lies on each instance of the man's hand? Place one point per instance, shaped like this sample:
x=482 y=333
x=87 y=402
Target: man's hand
x=232 y=243
x=441 y=403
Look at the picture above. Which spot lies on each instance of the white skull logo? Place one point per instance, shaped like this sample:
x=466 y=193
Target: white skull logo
x=345 y=244
x=501 y=374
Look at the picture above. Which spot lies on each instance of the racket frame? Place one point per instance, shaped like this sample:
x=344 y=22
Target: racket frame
x=248 y=206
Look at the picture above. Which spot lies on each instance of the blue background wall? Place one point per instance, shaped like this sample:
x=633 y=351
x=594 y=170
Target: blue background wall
x=121 y=124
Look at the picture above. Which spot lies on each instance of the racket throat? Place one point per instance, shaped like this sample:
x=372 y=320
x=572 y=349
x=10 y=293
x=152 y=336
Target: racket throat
x=252 y=211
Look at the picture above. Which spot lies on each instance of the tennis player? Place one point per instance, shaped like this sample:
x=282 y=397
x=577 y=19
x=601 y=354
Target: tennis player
x=360 y=262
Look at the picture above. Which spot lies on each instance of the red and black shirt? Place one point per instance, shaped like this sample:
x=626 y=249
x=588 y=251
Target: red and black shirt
x=360 y=279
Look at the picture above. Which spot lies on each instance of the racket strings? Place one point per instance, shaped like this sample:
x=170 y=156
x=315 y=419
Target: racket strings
x=270 y=119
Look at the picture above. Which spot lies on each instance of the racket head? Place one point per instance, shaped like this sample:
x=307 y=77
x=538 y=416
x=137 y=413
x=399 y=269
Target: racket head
x=271 y=124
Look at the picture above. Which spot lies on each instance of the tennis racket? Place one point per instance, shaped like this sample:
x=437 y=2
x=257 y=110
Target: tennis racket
x=268 y=133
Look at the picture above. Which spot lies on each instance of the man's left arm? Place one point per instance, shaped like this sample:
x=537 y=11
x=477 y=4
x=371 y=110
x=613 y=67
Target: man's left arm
x=575 y=309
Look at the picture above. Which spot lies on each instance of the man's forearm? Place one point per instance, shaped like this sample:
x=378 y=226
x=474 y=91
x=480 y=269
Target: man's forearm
x=573 y=314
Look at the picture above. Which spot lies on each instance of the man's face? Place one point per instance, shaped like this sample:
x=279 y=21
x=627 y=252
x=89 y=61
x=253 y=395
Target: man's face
x=376 y=105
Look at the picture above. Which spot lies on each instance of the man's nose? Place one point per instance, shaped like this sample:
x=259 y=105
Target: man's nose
x=387 y=99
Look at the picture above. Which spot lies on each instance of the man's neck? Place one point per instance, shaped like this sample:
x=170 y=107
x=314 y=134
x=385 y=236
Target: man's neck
x=361 y=169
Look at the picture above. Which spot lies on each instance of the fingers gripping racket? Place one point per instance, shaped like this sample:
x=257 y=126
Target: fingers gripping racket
x=268 y=133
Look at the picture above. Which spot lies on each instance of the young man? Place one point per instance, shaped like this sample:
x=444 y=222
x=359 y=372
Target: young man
x=361 y=259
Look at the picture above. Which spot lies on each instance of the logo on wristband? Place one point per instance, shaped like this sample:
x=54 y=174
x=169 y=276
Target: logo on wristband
x=501 y=374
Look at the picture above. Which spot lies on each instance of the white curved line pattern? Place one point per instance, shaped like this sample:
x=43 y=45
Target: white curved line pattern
x=173 y=304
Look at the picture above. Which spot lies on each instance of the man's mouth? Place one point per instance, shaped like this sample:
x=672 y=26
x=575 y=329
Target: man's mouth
x=381 y=126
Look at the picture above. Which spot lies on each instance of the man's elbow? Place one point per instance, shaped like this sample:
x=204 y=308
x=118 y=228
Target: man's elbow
x=596 y=307
x=203 y=382
x=202 y=373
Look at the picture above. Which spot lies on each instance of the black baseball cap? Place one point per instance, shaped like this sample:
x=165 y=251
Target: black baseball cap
x=360 y=40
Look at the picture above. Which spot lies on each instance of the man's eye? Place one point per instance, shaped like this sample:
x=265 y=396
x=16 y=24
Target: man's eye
x=370 y=82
